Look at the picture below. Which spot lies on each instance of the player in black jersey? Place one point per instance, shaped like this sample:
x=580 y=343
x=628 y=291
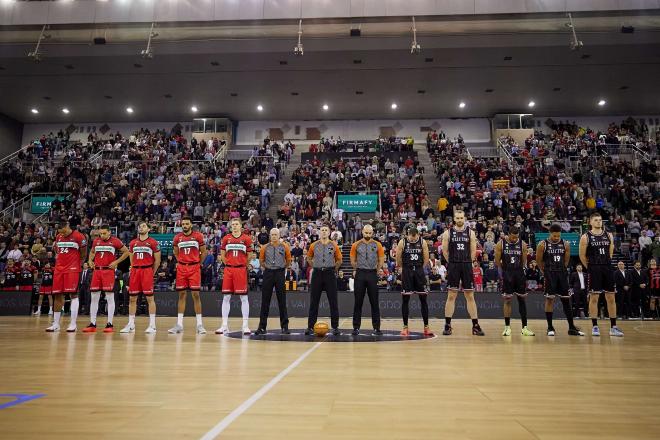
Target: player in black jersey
x=45 y=289
x=412 y=256
x=459 y=247
x=596 y=250
x=511 y=257
x=552 y=257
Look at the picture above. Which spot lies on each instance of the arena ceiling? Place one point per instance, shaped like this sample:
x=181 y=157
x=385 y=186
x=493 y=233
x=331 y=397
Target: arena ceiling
x=494 y=65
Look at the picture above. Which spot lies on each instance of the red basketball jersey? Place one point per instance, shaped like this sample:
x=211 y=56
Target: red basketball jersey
x=105 y=250
x=189 y=246
x=144 y=251
x=236 y=249
x=68 y=250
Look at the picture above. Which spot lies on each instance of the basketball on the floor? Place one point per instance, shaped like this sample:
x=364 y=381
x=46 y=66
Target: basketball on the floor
x=321 y=328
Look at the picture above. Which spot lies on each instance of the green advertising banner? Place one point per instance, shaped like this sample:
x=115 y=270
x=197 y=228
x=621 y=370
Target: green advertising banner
x=165 y=242
x=357 y=202
x=572 y=237
x=41 y=204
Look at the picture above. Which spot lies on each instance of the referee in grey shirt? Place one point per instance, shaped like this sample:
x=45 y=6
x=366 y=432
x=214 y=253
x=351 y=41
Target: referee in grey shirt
x=367 y=259
x=275 y=257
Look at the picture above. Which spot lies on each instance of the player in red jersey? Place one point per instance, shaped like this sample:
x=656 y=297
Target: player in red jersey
x=189 y=250
x=70 y=251
x=145 y=259
x=45 y=289
x=103 y=261
x=236 y=250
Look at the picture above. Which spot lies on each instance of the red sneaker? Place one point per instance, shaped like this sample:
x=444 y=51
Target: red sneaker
x=427 y=331
x=405 y=332
x=91 y=328
x=109 y=328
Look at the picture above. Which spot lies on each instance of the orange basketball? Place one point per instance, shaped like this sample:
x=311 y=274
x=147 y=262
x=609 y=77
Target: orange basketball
x=321 y=328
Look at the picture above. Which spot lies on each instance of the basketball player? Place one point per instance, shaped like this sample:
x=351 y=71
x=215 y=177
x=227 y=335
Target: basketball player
x=275 y=258
x=103 y=262
x=552 y=256
x=367 y=258
x=596 y=250
x=12 y=272
x=236 y=249
x=189 y=250
x=325 y=259
x=412 y=255
x=459 y=247
x=511 y=257
x=145 y=260
x=70 y=251
x=45 y=289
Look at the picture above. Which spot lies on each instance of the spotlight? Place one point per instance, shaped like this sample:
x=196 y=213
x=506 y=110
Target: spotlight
x=461 y=105
x=193 y=109
x=65 y=111
x=129 y=109
x=394 y=106
x=298 y=50
x=531 y=104
x=260 y=108
x=35 y=111
x=602 y=102
x=325 y=107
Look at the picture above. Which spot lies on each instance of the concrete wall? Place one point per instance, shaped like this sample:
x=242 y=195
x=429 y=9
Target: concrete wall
x=11 y=132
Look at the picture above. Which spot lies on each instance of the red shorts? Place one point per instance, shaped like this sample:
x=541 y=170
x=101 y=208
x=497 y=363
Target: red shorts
x=25 y=288
x=45 y=290
x=9 y=289
x=188 y=277
x=102 y=279
x=235 y=281
x=141 y=280
x=65 y=282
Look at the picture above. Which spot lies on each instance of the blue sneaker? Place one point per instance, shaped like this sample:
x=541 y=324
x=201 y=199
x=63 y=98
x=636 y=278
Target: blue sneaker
x=595 y=331
x=614 y=331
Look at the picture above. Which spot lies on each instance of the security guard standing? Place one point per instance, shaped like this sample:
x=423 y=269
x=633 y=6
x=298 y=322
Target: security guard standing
x=275 y=258
x=367 y=259
x=325 y=259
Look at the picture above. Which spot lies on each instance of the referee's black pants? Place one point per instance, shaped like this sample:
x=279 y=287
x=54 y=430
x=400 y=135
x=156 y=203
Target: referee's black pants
x=273 y=278
x=323 y=280
x=366 y=281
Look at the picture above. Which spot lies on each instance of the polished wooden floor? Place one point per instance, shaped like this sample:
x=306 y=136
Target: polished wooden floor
x=460 y=387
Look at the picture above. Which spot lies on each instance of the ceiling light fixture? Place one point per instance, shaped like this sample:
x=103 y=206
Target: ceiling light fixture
x=326 y=107
x=461 y=105
x=602 y=102
x=531 y=104
x=193 y=109
x=575 y=44
x=394 y=106
x=36 y=53
x=260 y=108
x=129 y=109
x=149 y=52
x=65 y=111
x=415 y=48
x=298 y=50
x=35 y=111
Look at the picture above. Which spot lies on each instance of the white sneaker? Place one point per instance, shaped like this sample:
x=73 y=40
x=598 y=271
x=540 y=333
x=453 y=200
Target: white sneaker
x=150 y=330
x=222 y=330
x=201 y=330
x=246 y=331
x=37 y=313
x=71 y=328
x=551 y=332
x=53 y=328
x=128 y=329
x=50 y=312
x=175 y=330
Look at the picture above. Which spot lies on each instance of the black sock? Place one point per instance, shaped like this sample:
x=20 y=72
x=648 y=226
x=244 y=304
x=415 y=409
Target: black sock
x=405 y=309
x=613 y=322
x=507 y=321
x=475 y=323
x=568 y=311
x=522 y=308
x=425 y=309
x=548 y=317
x=447 y=321
x=594 y=322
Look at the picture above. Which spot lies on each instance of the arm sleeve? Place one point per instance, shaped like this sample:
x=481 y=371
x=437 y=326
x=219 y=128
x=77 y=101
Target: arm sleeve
x=287 y=254
x=310 y=252
x=381 y=250
x=262 y=254
x=338 y=256
x=353 y=252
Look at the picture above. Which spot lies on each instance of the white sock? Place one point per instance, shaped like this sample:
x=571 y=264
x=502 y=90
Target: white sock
x=56 y=318
x=245 y=309
x=50 y=311
x=152 y=321
x=199 y=318
x=131 y=320
x=110 y=298
x=179 y=319
x=75 y=304
x=94 y=307
x=226 y=305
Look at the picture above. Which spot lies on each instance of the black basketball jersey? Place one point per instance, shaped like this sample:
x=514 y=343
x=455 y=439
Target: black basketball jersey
x=47 y=278
x=598 y=248
x=459 y=246
x=11 y=278
x=26 y=278
x=412 y=253
x=512 y=255
x=553 y=256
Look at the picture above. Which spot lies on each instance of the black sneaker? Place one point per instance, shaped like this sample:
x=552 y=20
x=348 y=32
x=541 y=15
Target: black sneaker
x=285 y=330
x=260 y=331
x=109 y=328
x=336 y=332
x=447 y=331
x=377 y=332
x=356 y=332
x=575 y=332
x=476 y=331
x=309 y=332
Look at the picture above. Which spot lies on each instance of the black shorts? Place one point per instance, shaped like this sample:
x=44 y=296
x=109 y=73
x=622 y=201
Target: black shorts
x=460 y=275
x=514 y=282
x=413 y=281
x=601 y=278
x=556 y=283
